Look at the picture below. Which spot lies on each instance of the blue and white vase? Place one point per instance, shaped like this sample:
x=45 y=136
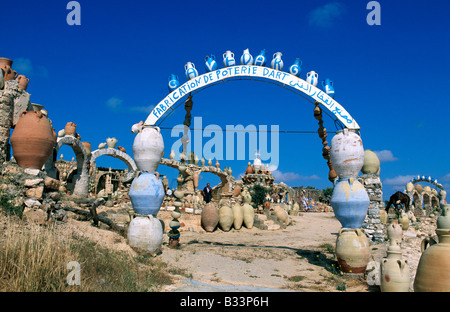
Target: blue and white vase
x=312 y=77
x=277 y=62
x=328 y=87
x=295 y=68
x=246 y=58
x=146 y=194
x=210 y=63
x=260 y=60
x=228 y=59
x=191 y=72
x=174 y=83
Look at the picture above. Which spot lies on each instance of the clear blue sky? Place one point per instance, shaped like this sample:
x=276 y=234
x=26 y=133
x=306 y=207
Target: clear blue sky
x=106 y=74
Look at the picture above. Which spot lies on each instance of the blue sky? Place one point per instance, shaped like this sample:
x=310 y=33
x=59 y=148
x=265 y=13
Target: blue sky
x=107 y=74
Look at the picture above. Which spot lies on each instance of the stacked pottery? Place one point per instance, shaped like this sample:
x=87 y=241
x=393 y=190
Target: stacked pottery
x=352 y=250
x=145 y=233
x=146 y=194
x=32 y=140
x=148 y=148
x=210 y=217
x=433 y=270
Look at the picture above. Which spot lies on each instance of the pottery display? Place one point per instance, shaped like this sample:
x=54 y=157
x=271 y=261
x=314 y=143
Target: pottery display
x=32 y=140
x=277 y=62
x=395 y=276
x=347 y=153
x=146 y=194
x=210 y=63
x=190 y=70
x=238 y=216
x=226 y=218
x=228 y=59
x=312 y=77
x=145 y=233
x=350 y=203
x=111 y=142
x=23 y=82
x=295 y=69
x=209 y=217
x=174 y=83
x=352 y=250
x=249 y=215
x=443 y=221
x=418 y=187
x=395 y=232
x=246 y=58
x=433 y=270
x=260 y=60
x=328 y=87
x=70 y=128
x=148 y=148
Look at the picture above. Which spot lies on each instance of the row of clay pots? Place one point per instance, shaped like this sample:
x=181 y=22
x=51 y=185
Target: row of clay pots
x=227 y=217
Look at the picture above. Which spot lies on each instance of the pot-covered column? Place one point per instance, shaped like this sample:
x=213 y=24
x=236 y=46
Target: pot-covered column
x=146 y=193
x=349 y=201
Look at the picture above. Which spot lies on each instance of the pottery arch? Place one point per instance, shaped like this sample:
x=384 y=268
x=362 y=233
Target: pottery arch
x=81 y=178
x=132 y=167
x=250 y=72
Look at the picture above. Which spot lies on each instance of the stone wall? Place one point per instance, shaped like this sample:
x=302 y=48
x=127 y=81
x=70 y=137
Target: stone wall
x=372 y=225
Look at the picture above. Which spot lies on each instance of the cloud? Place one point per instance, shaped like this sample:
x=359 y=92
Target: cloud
x=114 y=103
x=291 y=176
x=400 y=180
x=145 y=109
x=445 y=178
x=24 y=66
x=385 y=156
x=324 y=16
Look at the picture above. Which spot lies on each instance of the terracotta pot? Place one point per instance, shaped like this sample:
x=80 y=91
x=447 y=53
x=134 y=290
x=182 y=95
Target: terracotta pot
x=210 y=217
x=267 y=205
x=249 y=215
x=70 y=128
x=32 y=140
x=195 y=179
x=237 y=191
x=5 y=65
x=87 y=147
x=395 y=275
x=226 y=218
x=238 y=216
x=23 y=82
x=352 y=250
x=433 y=271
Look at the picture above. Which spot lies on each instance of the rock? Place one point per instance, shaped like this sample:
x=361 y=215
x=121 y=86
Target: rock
x=52 y=184
x=30 y=203
x=32 y=171
x=32 y=182
x=56 y=196
x=35 y=215
x=35 y=192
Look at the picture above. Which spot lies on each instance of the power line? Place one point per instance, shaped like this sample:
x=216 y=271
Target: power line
x=243 y=130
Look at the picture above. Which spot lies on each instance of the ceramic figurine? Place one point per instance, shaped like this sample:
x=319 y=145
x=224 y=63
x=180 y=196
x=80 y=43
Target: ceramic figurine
x=312 y=78
x=191 y=72
x=260 y=60
x=295 y=68
x=210 y=63
x=228 y=59
x=328 y=87
x=246 y=58
x=174 y=83
x=277 y=62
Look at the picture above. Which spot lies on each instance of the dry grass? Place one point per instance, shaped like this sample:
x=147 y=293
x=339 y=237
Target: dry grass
x=35 y=258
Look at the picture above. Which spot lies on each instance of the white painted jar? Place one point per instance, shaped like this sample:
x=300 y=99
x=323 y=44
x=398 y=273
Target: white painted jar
x=246 y=58
x=312 y=77
x=347 y=154
x=145 y=233
x=148 y=148
x=277 y=62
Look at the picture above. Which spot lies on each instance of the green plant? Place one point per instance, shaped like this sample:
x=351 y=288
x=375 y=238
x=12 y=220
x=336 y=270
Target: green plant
x=7 y=204
x=258 y=193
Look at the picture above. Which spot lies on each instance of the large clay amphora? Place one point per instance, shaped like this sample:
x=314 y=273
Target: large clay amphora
x=260 y=60
x=395 y=276
x=145 y=233
x=249 y=215
x=350 y=203
x=228 y=59
x=210 y=217
x=277 y=62
x=174 y=83
x=295 y=68
x=328 y=87
x=347 y=153
x=371 y=162
x=443 y=221
x=190 y=70
x=352 y=250
x=312 y=77
x=148 y=148
x=238 y=216
x=225 y=218
x=210 y=63
x=433 y=271
x=146 y=194
x=246 y=58
x=32 y=140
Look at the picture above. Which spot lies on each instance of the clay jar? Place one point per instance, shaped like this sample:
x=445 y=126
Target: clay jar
x=145 y=234
x=249 y=215
x=395 y=232
x=210 y=217
x=23 y=82
x=371 y=162
x=87 y=147
x=32 y=140
x=443 y=221
x=433 y=270
x=238 y=216
x=347 y=154
x=8 y=73
x=148 y=148
x=146 y=194
x=352 y=250
x=225 y=218
x=395 y=275
x=70 y=128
